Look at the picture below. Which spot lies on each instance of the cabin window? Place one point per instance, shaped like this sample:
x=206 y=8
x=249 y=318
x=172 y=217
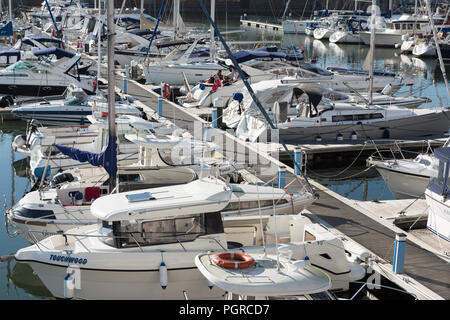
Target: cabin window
x=345 y=117
x=129 y=178
x=156 y=232
x=246 y=205
x=33 y=213
x=397 y=26
x=438 y=179
x=357 y=117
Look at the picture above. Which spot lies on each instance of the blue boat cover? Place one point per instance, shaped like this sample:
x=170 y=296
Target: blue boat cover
x=59 y=53
x=46 y=39
x=106 y=159
x=442 y=154
x=8 y=53
x=247 y=55
x=6 y=30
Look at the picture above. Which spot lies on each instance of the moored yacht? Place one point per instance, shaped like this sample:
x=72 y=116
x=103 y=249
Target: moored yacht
x=150 y=239
x=436 y=195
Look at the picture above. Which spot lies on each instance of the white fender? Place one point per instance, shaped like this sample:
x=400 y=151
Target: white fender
x=69 y=286
x=163 y=279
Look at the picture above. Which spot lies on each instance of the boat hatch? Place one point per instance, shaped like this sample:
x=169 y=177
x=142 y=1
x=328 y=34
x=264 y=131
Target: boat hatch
x=136 y=197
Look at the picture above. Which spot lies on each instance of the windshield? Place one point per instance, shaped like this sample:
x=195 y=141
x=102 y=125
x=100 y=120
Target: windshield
x=20 y=65
x=75 y=101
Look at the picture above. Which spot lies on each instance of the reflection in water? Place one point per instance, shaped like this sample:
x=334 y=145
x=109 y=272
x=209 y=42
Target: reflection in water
x=22 y=277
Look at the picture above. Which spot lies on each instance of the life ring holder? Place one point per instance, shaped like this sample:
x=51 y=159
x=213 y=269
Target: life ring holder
x=224 y=260
x=166 y=91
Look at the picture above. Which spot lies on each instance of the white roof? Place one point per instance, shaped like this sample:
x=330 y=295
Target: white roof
x=200 y=196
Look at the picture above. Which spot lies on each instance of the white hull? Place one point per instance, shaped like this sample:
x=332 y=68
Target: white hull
x=172 y=74
x=424 y=50
x=322 y=33
x=344 y=37
x=382 y=39
x=134 y=284
x=404 y=185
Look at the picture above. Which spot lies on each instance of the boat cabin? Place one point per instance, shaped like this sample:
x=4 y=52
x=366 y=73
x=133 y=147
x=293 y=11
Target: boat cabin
x=439 y=182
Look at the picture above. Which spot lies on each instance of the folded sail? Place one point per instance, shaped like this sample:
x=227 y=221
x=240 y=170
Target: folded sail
x=106 y=159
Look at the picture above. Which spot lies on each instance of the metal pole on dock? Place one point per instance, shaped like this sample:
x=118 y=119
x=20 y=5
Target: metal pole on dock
x=214 y=118
x=212 y=49
x=298 y=159
x=160 y=104
x=398 y=260
x=125 y=80
x=281 y=177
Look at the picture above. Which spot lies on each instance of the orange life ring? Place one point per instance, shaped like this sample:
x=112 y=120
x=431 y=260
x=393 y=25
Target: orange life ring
x=224 y=260
x=166 y=90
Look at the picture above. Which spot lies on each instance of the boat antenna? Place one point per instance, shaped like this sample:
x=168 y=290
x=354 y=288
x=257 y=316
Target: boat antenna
x=260 y=218
x=438 y=48
x=252 y=93
x=276 y=228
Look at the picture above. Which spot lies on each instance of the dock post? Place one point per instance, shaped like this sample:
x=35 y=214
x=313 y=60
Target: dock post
x=281 y=177
x=214 y=118
x=125 y=80
x=218 y=104
x=399 y=253
x=298 y=160
x=160 y=104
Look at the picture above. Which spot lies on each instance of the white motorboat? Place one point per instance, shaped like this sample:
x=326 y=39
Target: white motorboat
x=72 y=108
x=406 y=178
x=185 y=69
x=39 y=78
x=425 y=49
x=66 y=204
x=150 y=246
x=436 y=195
x=391 y=33
x=46 y=158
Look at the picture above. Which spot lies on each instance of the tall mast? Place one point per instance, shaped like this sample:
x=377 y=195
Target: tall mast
x=142 y=7
x=111 y=77
x=99 y=42
x=438 y=48
x=212 y=48
x=372 y=49
x=176 y=19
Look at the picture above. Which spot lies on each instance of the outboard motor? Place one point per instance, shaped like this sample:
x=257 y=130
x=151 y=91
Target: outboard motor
x=61 y=177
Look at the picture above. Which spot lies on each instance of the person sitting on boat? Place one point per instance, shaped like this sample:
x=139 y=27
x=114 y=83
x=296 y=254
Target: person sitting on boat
x=217 y=82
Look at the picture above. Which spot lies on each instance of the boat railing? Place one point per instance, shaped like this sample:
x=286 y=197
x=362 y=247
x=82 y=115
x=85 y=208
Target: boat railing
x=391 y=150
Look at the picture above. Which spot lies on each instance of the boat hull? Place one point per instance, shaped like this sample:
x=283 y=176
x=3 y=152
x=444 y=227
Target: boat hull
x=432 y=124
x=404 y=185
x=128 y=284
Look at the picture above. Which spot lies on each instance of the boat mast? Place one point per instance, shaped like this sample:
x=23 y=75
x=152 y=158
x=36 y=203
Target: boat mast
x=212 y=49
x=176 y=19
x=438 y=48
x=285 y=10
x=10 y=11
x=111 y=77
x=142 y=8
x=99 y=42
x=372 y=49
